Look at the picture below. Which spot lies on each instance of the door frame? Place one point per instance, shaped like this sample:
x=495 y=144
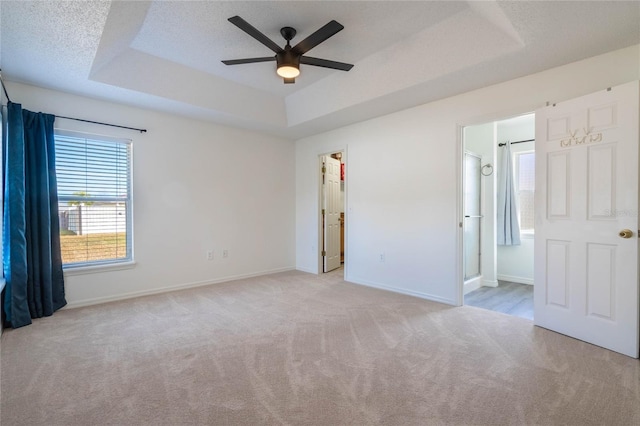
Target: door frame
x=320 y=234
x=460 y=151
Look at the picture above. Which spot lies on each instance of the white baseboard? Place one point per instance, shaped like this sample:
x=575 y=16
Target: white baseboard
x=472 y=284
x=421 y=295
x=183 y=286
x=303 y=269
x=490 y=283
x=513 y=279
x=476 y=283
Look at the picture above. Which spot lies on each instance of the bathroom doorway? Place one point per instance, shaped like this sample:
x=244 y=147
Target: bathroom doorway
x=498 y=258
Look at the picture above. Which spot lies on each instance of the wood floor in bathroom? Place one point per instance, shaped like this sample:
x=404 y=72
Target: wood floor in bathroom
x=509 y=298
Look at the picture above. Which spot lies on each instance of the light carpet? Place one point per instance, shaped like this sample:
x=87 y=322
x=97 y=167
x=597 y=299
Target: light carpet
x=298 y=349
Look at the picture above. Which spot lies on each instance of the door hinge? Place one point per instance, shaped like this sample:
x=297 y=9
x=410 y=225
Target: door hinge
x=324 y=170
x=322 y=212
x=324 y=253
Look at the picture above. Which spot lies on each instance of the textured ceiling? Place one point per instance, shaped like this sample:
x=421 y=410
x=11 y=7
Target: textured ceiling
x=166 y=55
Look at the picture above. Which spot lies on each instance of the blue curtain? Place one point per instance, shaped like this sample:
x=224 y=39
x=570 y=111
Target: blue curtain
x=508 y=228
x=31 y=237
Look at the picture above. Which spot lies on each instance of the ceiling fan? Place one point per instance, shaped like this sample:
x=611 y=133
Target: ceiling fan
x=288 y=59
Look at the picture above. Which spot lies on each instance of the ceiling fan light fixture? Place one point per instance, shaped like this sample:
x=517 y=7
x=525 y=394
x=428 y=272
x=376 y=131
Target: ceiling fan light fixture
x=288 y=64
x=288 y=71
x=288 y=58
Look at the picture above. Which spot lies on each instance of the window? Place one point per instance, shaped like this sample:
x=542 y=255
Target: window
x=94 y=199
x=525 y=169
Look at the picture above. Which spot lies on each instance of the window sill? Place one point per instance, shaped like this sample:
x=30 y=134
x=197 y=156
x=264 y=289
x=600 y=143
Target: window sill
x=82 y=270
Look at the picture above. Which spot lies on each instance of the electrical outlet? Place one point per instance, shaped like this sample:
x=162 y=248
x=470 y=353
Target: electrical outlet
x=382 y=257
x=225 y=253
x=209 y=254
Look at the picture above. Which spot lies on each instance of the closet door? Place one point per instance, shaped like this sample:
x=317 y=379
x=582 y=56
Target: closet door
x=331 y=207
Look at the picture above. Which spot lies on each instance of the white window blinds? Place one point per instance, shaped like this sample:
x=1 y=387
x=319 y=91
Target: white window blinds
x=526 y=174
x=94 y=199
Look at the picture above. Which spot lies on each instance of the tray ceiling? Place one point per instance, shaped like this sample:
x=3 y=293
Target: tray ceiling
x=166 y=55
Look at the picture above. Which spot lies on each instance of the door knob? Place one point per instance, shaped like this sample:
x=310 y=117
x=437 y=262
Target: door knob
x=625 y=233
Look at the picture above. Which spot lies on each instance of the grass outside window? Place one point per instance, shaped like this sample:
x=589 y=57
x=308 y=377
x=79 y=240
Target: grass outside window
x=93 y=247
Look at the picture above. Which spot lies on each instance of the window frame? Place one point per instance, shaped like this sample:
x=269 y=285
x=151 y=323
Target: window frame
x=106 y=264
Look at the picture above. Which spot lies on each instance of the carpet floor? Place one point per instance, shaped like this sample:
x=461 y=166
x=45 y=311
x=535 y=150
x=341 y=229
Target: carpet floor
x=298 y=349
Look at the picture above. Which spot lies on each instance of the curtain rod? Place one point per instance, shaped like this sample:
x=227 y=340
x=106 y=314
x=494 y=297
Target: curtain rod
x=103 y=124
x=3 y=87
x=76 y=119
x=528 y=140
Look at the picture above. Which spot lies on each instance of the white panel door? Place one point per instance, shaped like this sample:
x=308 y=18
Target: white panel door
x=586 y=270
x=332 y=210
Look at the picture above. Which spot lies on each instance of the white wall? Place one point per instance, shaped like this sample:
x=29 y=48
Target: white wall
x=515 y=263
x=403 y=177
x=481 y=139
x=196 y=186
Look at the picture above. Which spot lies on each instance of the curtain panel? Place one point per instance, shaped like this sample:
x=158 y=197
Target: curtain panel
x=31 y=235
x=507 y=226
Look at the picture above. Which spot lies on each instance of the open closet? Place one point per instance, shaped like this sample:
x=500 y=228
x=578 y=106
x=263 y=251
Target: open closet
x=332 y=174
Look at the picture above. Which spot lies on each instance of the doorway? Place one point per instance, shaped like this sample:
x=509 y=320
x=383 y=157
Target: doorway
x=332 y=211
x=498 y=271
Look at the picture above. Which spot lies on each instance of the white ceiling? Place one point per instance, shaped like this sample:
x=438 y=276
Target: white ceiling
x=166 y=55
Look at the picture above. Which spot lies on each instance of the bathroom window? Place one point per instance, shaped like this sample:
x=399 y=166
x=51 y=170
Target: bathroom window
x=525 y=171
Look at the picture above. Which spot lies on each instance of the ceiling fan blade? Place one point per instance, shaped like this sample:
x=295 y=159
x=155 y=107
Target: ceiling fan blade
x=249 y=60
x=316 y=38
x=253 y=32
x=325 y=63
x=289 y=80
